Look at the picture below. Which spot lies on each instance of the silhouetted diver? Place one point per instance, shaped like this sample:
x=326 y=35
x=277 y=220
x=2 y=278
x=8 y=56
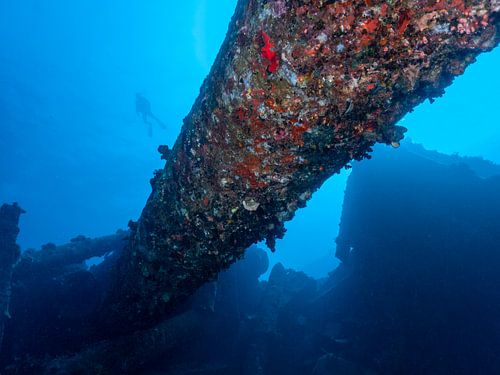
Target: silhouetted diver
x=143 y=109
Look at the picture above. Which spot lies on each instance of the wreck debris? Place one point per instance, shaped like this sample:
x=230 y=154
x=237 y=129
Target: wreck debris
x=118 y=357
x=298 y=90
x=56 y=290
x=424 y=218
x=9 y=254
x=353 y=321
x=75 y=252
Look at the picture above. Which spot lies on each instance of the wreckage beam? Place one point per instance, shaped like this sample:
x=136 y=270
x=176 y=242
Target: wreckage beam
x=298 y=90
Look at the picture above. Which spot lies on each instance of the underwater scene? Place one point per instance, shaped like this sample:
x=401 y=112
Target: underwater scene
x=254 y=187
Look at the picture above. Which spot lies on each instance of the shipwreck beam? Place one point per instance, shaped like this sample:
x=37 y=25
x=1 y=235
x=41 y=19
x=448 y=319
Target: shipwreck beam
x=77 y=251
x=298 y=90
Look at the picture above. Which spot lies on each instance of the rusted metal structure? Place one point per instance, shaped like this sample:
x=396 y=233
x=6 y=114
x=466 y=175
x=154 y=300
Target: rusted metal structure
x=299 y=89
x=9 y=255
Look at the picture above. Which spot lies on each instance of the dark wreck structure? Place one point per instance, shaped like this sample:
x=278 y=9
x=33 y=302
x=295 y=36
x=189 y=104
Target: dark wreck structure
x=298 y=91
x=416 y=292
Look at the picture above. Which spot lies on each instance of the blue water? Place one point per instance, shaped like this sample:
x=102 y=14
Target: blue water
x=75 y=155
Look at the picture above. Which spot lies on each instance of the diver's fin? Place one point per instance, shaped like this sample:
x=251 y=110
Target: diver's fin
x=160 y=123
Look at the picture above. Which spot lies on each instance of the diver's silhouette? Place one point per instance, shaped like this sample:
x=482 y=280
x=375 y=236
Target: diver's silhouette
x=143 y=109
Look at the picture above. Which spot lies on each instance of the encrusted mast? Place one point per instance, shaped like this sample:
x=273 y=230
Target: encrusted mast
x=299 y=89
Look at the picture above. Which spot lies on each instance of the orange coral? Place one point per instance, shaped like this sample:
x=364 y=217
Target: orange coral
x=371 y=25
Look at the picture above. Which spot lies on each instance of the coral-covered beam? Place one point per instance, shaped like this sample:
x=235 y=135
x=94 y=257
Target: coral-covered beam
x=298 y=90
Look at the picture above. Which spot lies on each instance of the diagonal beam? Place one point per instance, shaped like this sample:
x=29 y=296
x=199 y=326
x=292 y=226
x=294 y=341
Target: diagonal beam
x=298 y=90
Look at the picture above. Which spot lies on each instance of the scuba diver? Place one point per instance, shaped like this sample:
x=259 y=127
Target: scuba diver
x=143 y=109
